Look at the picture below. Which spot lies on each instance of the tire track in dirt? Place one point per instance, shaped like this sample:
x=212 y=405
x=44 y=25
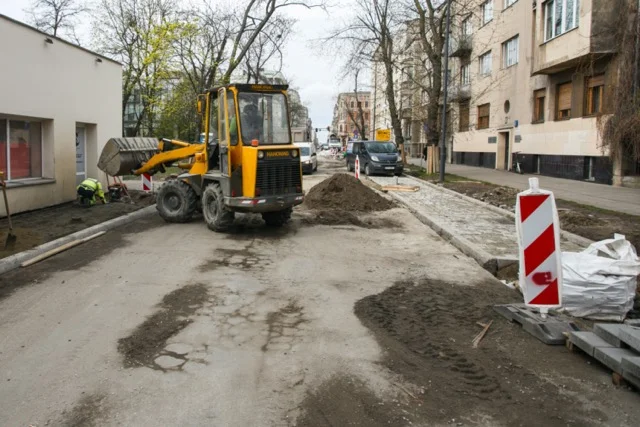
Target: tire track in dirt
x=426 y=330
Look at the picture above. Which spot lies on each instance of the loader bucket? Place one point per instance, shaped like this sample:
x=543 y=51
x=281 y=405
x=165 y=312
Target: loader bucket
x=121 y=156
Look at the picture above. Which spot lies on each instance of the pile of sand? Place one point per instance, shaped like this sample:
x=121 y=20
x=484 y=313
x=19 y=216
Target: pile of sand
x=345 y=193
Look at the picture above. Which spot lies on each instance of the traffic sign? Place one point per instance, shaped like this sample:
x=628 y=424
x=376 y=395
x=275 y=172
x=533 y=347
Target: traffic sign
x=538 y=230
x=383 y=134
x=147 y=185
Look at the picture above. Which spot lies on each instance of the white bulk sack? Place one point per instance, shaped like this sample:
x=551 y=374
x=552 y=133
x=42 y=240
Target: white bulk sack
x=600 y=282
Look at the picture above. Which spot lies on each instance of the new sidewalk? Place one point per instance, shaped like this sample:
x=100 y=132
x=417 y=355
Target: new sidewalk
x=485 y=233
x=619 y=199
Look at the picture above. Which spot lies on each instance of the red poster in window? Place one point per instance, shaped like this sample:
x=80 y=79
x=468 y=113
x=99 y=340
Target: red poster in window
x=3 y=158
x=20 y=160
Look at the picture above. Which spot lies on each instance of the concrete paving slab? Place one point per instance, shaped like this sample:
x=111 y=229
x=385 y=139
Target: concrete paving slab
x=631 y=336
x=631 y=379
x=631 y=364
x=610 y=332
x=588 y=342
x=612 y=357
x=550 y=330
x=485 y=234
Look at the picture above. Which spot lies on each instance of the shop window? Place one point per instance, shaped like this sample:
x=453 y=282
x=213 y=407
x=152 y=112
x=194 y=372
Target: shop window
x=563 y=101
x=483 y=116
x=595 y=94
x=20 y=149
x=538 y=105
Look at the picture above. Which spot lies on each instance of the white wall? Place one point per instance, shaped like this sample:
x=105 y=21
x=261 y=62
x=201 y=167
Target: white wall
x=63 y=85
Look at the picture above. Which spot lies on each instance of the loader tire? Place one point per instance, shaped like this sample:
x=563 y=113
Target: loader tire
x=216 y=214
x=176 y=201
x=277 y=219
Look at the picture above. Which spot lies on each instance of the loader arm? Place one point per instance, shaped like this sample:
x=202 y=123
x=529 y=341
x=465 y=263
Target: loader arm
x=170 y=156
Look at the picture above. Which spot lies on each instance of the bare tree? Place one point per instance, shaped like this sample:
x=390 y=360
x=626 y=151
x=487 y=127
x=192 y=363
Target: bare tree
x=56 y=17
x=357 y=116
x=268 y=48
x=254 y=16
x=370 y=34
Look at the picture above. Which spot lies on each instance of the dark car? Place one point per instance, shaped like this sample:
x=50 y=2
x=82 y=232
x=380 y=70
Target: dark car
x=376 y=157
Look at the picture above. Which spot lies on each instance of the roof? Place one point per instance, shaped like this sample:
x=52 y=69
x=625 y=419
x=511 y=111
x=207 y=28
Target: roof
x=15 y=21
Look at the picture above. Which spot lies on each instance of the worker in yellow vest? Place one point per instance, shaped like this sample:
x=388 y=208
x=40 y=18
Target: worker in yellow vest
x=88 y=190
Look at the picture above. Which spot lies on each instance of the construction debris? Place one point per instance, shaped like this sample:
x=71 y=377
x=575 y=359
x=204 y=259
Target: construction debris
x=480 y=336
x=615 y=346
x=401 y=188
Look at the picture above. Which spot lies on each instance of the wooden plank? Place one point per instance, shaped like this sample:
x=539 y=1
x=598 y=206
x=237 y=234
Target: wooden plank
x=60 y=249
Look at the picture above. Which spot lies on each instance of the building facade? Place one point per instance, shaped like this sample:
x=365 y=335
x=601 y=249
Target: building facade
x=60 y=104
x=530 y=82
x=349 y=109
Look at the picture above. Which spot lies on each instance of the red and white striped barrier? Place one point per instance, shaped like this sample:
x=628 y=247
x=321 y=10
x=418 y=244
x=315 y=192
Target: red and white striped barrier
x=147 y=185
x=538 y=231
x=357 y=167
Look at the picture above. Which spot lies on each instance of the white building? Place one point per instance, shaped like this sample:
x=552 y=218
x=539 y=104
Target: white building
x=60 y=104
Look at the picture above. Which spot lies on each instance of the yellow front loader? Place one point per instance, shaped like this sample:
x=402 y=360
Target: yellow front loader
x=246 y=163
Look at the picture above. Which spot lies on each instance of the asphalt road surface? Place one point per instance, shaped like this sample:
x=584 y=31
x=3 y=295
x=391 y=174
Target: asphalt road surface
x=159 y=324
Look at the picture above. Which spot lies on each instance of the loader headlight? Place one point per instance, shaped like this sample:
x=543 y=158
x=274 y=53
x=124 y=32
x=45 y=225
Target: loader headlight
x=294 y=153
x=261 y=154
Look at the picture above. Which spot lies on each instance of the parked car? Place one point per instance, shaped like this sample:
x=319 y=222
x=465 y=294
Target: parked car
x=376 y=157
x=308 y=156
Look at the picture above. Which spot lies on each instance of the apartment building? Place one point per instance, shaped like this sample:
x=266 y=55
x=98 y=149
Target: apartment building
x=349 y=108
x=530 y=82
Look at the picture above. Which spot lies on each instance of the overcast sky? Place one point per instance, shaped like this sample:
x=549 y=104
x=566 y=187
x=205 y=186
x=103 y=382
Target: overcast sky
x=312 y=72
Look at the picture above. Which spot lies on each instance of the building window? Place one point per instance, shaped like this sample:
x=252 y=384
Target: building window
x=487 y=11
x=485 y=64
x=465 y=78
x=366 y=104
x=510 y=52
x=359 y=104
x=563 y=101
x=463 y=122
x=467 y=28
x=353 y=104
x=508 y=3
x=538 y=105
x=483 y=116
x=560 y=16
x=21 y=157
x=595 y=94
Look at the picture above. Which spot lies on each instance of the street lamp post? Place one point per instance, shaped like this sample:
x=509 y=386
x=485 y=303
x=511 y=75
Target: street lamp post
x=443 y=141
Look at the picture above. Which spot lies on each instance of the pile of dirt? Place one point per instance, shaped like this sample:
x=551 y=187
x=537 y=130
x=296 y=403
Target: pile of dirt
x=502 y=197
x=340 y=217
x=427 y=329
x=572 y=219
x=346 y=193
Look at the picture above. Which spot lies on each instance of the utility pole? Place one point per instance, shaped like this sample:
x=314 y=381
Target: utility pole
x=637 y=53
x=443 y=141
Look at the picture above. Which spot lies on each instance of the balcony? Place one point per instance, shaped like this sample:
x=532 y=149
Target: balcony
x=460 y=47
x=570 y=44
x=459 y=92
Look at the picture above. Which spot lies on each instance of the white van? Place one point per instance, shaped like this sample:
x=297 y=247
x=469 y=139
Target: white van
x=308 y=156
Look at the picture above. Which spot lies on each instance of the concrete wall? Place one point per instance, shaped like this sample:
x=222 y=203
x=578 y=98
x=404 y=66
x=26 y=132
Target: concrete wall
x=62 y=86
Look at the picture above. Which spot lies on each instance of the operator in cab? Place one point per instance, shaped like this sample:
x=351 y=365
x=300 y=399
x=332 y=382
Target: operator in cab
x=88 y=190
x=251 y=123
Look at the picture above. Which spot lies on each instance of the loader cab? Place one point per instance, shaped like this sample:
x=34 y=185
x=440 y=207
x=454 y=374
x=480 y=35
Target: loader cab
x=248 y=141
